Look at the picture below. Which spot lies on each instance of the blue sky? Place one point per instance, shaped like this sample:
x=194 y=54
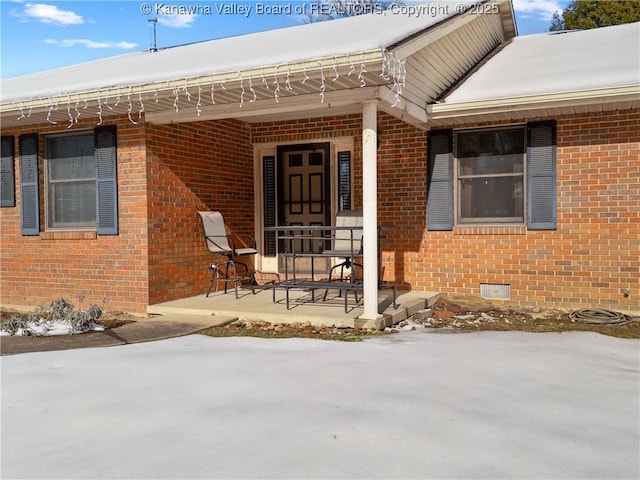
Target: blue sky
x=39 y=35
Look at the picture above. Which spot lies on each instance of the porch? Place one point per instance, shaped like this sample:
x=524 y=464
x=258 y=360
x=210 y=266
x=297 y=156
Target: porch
x=330 y=311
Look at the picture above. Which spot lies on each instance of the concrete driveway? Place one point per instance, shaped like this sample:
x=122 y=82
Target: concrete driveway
x=410 y=405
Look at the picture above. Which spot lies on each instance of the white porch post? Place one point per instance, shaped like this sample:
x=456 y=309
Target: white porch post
x=370 y=209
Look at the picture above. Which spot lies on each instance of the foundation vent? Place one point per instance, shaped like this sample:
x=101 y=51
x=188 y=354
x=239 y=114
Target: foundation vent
x=495 y=290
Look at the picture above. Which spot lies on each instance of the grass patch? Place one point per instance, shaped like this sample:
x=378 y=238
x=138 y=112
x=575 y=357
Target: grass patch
x=298 y=330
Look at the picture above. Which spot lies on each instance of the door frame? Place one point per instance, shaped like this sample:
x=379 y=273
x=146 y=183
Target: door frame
x=335 y=145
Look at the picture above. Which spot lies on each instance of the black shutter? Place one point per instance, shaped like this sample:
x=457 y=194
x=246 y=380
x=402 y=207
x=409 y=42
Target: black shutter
x=7 y=174
x=269 y=202
x=29 y=197
x=541 y=175
x=106 y=180
x=440 y=180
x=344 y=180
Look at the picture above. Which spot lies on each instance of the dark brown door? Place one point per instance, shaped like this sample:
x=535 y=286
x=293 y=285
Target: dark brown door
x=304 y=195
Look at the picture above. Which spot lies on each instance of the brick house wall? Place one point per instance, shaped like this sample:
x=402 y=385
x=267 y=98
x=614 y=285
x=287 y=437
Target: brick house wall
x=592 y=257
x=402 y=183
x=193 y=167
x=110 y=271
x=167 y=173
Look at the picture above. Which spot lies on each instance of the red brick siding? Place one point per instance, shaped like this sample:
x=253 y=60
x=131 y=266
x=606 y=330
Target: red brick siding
x=107 y=270
x=588 y=261
x=401 y=175
x=193 y=167
x=402 y=196
x=592 y=257
x=160 y=255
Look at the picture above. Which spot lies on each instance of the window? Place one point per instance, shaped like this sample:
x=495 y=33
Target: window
x=490 y=176
x=7 y=174
x=80 y=181
x=344 y=180
x=71 y=181
x=498 y=176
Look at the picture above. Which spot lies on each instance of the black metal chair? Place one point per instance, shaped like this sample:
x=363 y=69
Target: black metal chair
x=230 y=245
x=346 y=244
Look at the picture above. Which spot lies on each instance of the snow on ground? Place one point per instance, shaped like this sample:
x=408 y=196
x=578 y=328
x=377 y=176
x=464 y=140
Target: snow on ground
x=57 y=327
x=409 y=405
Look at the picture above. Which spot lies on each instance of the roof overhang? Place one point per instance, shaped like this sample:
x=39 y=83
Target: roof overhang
x=335 y=85
x=538 y=106
x=315 y=85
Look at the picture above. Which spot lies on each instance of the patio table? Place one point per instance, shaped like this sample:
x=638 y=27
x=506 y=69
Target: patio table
x=290 y=237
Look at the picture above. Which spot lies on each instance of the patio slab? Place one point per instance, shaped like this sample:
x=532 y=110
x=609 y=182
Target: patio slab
x=261 y=307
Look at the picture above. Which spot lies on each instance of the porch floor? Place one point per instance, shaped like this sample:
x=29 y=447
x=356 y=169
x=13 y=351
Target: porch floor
x=329 y=312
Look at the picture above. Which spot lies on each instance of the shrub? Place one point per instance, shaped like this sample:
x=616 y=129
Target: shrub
x=14 y=324
x=81 y=321
x=41 y=320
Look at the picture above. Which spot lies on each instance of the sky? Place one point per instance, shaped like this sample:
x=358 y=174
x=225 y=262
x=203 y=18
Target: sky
x=416 y=404
x=39 y=35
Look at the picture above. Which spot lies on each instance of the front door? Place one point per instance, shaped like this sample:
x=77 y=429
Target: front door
x=304 y=198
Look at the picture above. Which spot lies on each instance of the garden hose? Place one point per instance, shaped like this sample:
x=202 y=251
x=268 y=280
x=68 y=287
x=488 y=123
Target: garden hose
x=601 y=317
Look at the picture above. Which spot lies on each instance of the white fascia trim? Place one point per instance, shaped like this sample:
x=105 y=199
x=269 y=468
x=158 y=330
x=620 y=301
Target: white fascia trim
x=398 y=106
x=534 y=102
x=508 y=19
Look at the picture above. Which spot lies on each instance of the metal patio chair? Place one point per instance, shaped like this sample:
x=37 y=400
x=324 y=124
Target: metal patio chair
x=346 y=244
x=231 y=246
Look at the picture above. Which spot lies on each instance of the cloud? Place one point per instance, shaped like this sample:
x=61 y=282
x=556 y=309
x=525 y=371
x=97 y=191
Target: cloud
x=177 y=20
x=542 y=10
x=90 y=43
x=49 y=14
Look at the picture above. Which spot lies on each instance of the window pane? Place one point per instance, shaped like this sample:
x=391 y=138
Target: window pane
x=487 y=152
x=491 y=175
x=498 y=142
x=73 y=157
x=71 y=181
x=491 y=164
x=491 y=199
x=73 y=204
x=69 y=168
